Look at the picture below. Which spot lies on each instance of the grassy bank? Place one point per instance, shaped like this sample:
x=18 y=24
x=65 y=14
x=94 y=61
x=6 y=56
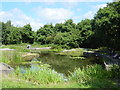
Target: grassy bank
x=72 y=53
x=10 y=57
x=89 y=77
x=15 y=56
x=23 y=47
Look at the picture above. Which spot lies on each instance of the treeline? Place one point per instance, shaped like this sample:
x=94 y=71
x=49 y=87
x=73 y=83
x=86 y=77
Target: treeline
x=102 y=31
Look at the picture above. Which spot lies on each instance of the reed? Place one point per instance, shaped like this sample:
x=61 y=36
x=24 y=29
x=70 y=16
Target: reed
x=40 y=75
x=88 y=73
x=94 y=76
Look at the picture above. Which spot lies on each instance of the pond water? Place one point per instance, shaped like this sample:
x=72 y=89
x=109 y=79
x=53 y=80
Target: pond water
x=63 y=64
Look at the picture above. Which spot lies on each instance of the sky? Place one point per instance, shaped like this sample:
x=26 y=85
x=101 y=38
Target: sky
x=40 y=12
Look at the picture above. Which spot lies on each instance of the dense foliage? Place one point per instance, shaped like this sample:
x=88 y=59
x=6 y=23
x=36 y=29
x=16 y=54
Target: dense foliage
x=103 y=30
x=107 y=26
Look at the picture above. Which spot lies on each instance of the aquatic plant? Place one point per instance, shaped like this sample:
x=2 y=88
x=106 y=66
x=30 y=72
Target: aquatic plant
x=94 y=76
x=73 y=52
x=39 y=75
x=87 y=73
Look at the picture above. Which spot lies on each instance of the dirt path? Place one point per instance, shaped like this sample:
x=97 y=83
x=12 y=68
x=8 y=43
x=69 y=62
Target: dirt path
x=40 y=48
x=6 y=49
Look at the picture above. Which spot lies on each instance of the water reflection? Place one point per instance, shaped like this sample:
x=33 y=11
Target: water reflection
x=62 y=64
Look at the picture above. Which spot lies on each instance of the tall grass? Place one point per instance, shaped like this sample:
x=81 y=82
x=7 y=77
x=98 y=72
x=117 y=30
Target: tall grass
x=94 y=76
x=10 y=57
x=89 y=77
x=4 y=59
x=40 y=75
x=88 y=73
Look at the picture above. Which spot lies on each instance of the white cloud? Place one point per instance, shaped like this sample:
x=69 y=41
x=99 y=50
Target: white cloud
x=53 y=15
x=78 y=9
x=45 y=16
x=100 y=6
x=18 y=18
x=90 y=14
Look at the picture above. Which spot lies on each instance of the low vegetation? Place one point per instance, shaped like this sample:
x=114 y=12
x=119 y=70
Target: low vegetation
x=73 y=52
x=89 y=77
x=10 y=57
x=41 y=75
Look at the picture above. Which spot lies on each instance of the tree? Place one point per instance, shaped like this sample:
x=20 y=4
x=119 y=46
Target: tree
x=85 y=31
x=5 y=32
x=107 y=26
x=0 y=33
x=27 y=34
x=43 y=35
x=10 y=34
x=116 y=0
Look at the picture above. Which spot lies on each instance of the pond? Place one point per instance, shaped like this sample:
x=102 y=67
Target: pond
x=61 y=64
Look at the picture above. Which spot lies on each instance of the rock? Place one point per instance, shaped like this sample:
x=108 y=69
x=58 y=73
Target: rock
x=44 y=48
x=116 y=56
x=28 y=46
x=5 y=69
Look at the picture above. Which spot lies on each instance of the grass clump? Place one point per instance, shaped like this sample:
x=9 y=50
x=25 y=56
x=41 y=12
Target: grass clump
x=87 y=73
x=19 y=47
x=73 y=52
x=39 y=75
x=94 y=76
x=10 y=57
